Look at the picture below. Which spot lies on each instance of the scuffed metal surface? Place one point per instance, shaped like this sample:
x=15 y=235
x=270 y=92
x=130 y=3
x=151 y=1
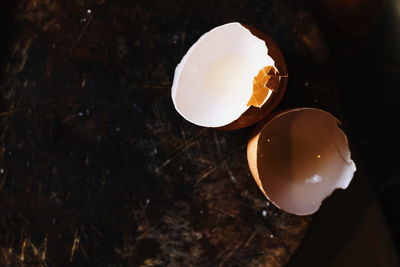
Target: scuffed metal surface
x=97 y=168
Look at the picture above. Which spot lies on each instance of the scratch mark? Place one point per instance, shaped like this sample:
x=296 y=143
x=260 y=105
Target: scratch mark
x=244 y=247
x=70 y=116
x=35 y=250
x=183 y=133
x=217 y=143
x=140 y=214
x=96 y=230
x=8 y=112
x=82 y=33
x=190 y=142
x=39 y=254
x=166 y=162
x=23 y=217
x=7 y=254
x=229 y=255
x=84 y=252
x=205 y=175
x=2 y=182
x=226 y=167
x=148 y=231
x=44 y=249
x=22 y=256
x=75 y=245
x=228 y=213
x=205 y=161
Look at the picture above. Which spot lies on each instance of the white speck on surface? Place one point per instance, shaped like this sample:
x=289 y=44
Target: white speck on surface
x=264 y=213
x=86 y=113
x=148 y=201
x=233 y=178
x=306 y=84
x=89 y=11
x=117 y=129
x=313 y=180
x=201 y=211
x=1 y=171
x=175 y=39
x=271 y=236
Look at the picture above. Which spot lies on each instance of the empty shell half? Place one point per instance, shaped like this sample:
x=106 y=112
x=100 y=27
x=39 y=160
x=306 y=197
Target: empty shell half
x=299 y=157
x=230 y=78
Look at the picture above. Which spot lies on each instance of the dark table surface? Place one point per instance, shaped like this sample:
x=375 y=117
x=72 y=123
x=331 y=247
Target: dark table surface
x=98 y=169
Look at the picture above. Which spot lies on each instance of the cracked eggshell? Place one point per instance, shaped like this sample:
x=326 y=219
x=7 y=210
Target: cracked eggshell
x=298 y=158
x=214 y=81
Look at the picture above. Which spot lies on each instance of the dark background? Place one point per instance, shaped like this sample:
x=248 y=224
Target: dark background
x=363 y=39
x=354 y=73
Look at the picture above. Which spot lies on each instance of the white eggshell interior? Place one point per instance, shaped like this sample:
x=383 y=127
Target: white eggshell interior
x=302 y=157
x=214 y=81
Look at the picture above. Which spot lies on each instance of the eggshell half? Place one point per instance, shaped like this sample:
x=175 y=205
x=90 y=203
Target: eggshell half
x=214 y=81
x=254 y=114
x=299 y=157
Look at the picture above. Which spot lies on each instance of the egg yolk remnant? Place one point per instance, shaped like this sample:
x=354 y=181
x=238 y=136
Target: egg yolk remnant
x=267 y=79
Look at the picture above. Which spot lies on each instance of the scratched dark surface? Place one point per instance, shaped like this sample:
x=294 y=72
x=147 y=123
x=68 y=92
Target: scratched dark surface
x=96 y=166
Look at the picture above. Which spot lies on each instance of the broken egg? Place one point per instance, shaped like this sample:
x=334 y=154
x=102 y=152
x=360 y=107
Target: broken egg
x=232 y=77
x=299 y=157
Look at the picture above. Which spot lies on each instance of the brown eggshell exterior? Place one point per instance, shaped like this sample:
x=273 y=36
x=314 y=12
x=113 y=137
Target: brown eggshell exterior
x=252 y=148
x=255 y=114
